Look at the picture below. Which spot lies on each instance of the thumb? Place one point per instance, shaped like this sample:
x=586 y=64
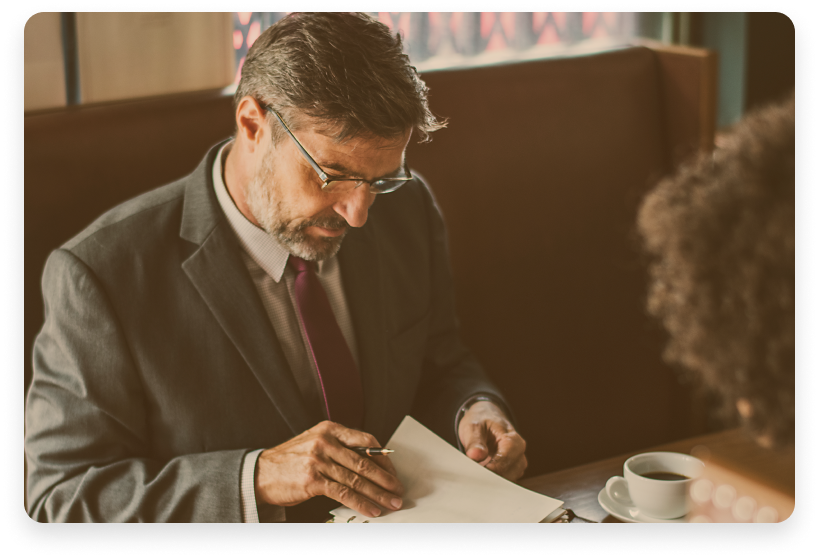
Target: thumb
x=474 y=441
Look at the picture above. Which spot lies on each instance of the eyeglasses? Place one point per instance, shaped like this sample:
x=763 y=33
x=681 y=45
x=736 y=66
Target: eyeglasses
x=343 y=184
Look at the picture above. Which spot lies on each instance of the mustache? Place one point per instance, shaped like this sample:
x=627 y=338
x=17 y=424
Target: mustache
x=328 y=222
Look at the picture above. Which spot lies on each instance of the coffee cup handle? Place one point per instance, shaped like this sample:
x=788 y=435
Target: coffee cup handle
x=617 y=490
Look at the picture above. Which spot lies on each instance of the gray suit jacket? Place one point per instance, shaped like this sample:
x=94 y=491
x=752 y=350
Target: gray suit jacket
x=157 y=368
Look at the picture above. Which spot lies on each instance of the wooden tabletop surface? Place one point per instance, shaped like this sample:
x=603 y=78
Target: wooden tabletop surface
x=578 y=487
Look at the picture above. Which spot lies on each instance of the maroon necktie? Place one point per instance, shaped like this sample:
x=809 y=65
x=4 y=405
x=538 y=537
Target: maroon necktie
x=338 y=374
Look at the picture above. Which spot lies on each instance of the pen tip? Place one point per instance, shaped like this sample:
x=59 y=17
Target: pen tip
x=387 y=451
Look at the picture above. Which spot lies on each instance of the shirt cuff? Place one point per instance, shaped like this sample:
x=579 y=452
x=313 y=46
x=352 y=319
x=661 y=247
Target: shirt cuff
x=250 y=510
x=248 y=485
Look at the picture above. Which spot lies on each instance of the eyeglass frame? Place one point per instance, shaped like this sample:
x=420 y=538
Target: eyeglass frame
x=327 y=179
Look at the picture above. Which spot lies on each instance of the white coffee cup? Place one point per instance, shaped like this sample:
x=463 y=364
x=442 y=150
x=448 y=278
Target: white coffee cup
x=660 y=498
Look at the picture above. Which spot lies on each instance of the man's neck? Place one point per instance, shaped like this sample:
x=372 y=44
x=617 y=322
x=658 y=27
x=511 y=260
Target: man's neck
x=234 y=174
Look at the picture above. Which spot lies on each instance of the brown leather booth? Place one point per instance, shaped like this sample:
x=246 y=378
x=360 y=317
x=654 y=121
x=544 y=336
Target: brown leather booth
x=538 y=174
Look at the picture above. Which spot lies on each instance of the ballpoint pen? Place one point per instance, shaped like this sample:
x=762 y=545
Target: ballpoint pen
x=371 y=451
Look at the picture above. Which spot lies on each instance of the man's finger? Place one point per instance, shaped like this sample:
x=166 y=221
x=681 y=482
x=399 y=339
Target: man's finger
x=510 y=470
x=510 y=459
x=473 y=437
x=385 y=463
x=349 y=498
x=352 y=437
x=363 y=486
x=477 y=451
x=365 y=467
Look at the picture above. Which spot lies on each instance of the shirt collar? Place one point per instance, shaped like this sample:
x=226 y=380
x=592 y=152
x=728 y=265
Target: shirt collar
x=262 y=247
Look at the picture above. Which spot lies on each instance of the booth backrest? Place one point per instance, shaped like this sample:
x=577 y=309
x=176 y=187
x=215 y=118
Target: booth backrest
x=538 y=174
x=81 y=161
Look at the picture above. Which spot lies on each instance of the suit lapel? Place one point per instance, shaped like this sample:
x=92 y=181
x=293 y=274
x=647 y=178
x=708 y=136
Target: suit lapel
x=219 y=275
x=361 y=274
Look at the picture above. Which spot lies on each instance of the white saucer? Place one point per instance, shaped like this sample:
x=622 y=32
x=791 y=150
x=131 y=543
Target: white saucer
x=628 y=513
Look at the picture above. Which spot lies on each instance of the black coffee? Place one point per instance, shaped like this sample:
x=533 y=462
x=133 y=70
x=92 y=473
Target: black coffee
x=664 y=476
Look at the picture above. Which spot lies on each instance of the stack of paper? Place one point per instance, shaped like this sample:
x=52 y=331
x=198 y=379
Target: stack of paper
x=443 y=485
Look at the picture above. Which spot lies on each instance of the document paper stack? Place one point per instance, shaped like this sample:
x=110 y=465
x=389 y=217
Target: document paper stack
x=442 y=484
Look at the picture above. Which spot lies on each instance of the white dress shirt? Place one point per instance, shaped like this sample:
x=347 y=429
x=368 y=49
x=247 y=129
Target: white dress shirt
x=266 y=261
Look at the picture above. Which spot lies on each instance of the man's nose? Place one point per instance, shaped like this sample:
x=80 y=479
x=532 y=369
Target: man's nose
x=354 y=205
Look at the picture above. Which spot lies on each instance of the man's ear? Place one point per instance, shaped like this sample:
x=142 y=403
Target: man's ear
x=250 y=123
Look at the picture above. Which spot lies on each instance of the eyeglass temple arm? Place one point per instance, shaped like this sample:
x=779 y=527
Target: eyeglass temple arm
x=307 y=156
x=322 y=175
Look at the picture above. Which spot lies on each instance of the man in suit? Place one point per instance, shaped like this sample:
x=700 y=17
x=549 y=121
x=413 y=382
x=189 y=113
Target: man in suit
x=211 y=352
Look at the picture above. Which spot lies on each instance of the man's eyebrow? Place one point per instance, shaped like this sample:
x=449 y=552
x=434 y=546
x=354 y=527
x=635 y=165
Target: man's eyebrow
x=334 y=166
x=344 y=170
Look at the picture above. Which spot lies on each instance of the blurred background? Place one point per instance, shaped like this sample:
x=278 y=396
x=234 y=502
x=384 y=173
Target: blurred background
x=74 y=58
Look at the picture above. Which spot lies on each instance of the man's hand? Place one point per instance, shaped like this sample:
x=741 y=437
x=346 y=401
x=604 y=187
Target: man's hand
x=491 y=440
x=319 y=462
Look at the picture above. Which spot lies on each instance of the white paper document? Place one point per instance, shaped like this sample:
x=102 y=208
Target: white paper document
x=443 y=485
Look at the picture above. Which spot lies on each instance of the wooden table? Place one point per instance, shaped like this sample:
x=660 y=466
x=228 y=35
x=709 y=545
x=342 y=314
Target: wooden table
x=578 y=487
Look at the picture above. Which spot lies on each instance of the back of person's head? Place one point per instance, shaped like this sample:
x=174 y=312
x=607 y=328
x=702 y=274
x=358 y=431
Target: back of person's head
x=721 y=232
x=344 y=69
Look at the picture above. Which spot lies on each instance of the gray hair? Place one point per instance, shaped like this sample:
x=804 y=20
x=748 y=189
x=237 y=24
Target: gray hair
x=345 y=70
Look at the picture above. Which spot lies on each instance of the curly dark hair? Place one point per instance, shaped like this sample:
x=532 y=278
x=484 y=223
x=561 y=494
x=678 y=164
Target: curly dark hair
x=345 y=69
x=721 y=236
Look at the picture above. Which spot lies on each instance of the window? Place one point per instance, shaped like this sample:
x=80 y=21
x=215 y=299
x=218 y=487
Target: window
x=435 y=40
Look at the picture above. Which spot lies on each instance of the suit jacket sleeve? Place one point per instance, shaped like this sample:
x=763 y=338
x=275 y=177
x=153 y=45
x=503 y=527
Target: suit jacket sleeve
x=451 y=374
x=87 y=436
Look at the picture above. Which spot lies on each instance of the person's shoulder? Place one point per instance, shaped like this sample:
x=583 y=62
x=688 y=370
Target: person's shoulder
x=150 y=210
x=152 y=217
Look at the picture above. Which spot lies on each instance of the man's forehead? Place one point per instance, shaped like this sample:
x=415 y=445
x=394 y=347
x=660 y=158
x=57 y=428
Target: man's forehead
x=333 y=133
x=338 y=131
x=355 y=156
x=327 y=144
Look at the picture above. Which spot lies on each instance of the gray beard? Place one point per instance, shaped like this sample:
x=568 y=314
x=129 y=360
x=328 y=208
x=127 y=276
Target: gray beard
x=265 y=204
x=309 y=248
